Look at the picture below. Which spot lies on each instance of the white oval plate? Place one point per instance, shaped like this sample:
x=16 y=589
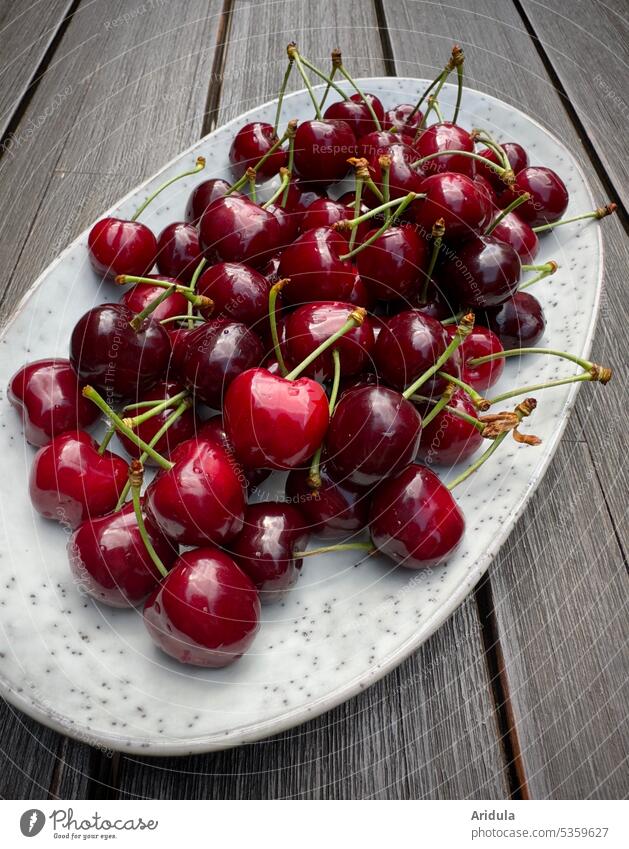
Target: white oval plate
x=92 y=672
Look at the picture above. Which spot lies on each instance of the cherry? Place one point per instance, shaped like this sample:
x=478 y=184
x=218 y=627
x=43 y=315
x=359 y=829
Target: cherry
x=481 y=342
x=517 y=233
x=70 y=481
x=270 y=271
x=214 y=354
x=250 y=144
x=355 y=113
x=138 y=297
x=200 y=499
x=322 y=148
x=549 y=195
x=316 y=272
x=109 y=560
x=48 y=397
x=377 y=143
x=402 y=178
x=289 y=223
x=311 y=324
x=272 y=422
x=234 y=229
x=414 y=519
x=179 y=251
x=399 y=119
x=446 y=136
x=325 y=212
x=118 y=247
x=184 y=427
x=484 y=272
x=300 y=197
x=203 y=195
x=393 y=265
x=449 y=439
x=487 y=192
x=214 y=430
x=373 y=432
x=265 y=547
x=518 y=159
x=361 y=296
x=518 y=322
x=205 y=612
x=239 y=292
x=331 y=510
x=456 y=199
x=108 y=353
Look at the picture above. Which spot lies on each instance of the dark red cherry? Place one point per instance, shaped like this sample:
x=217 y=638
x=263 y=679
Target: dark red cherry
x=549 y=195
x=414 y=519
x=206 y=612
x=250 y=144
x=70 y=481
x=456 y=199
x=373 y=432
x=265 y=548
x=517 y=233
x=107 y=353
x=393 y=265
x=446 y=136
x=117 y=247
x=301 y=196
x=239 y=292
x=203 y=195
x=480 y=343
x=289 y=223
x=332 y=510
x=325 y=212
x=311 y=324
x=361 y=296
x=181 y=429
x=488 y=194
x=483 y=272
x=322 y=149
x=179 y=251
x=402 y=178
x=356 y=113
x=47 y=395
x=377 y=143
x=233 y=229
x=398 y=119
x=518 y=322
x=138 y=297
x=109 y=560
x=214 y=430
x=275 y=423
x=518 y=159
x=214 y=354
x=315 y=269
x=448 y=439
x=201 y=499
x=270 y=271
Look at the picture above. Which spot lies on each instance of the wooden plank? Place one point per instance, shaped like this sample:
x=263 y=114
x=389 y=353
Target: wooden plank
x=512 y=71
x=591 y=65
x=26 y=34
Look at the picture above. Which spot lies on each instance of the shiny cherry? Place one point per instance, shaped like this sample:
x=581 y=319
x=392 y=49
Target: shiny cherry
x=393 y=265
x=483 y=272
x=331 y=511
x=518 y=159
x=117 y=247
x=414 y=519
x=203 y=195
x=109 y=560
x=325 y=212
x=520 y=235
x=402 y=178
x=206 y=612
x=356 y=113
x=289 y=223
x=179 y=251
x=47 y=395
x=214 y=429
x=456 y=199
x=377 y=143
x=398 y=119
x=238 y=291
x=233 y=229
x=446 y=136
x=322 y=149
x=518 y=322
x=480 y=343
x=549 y=195
x=315 y=269
x=70 y=481
x=448 y=439
x=138 y=297
x=250 y=144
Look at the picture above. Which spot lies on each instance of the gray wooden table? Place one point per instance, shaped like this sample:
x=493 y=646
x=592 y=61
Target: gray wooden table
x=523 y=693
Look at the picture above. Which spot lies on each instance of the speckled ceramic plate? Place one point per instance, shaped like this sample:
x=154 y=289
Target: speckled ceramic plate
x=92 y=672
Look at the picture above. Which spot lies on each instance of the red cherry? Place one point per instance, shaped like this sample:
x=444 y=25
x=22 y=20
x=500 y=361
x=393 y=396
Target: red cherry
x=456 y=199
x=325 y=212
x=109 y=560
x=214 y=430
x=356 y=113
x=205 y=612
x=480 y=343
x=519 y=322
x=393 y=265
x=414 y=519
x=518 y=159
x=107 y=353
x=300 y=197
x=70 y=481
x=239 y=292
x=484 y=272
x=48 y=397
x=272 y=422
x=289 y=223
x=488 y=194
x=138 y=297
x=377 y=143
x=322 y=149
x=117 y=247
x=398 y=119
x=517 y=233
x=448 y=439
x=201 y=499
x=549 y=195
x=265 y=547
x=250 y=144
x=446 y=136
x=332 y=510
x=402 y=178
x=234 y=229
x=361 y=296
x=179 y=251
x=203 y=195
x=315 y=269
x=373 y=432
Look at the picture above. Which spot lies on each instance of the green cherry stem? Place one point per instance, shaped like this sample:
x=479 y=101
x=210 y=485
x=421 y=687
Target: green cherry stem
x=106 y=439
x=502 y=172
x=358 y=193
x=367 y=547
x=136 y=475
x=337 y=61
x=280 y=94
x=199 y=166
x=155 y=409
x=141 y=405
x=461 y=414
x=513 y=205
x=463 y=330
x=274 y=292
x=439 y=405
x=361 y=94
x=125 y=279
x=535 y=387
x=251 y=179
x=458 y=57
x=454 y=319
x=191 y=318
x=601 y=212
x=483 y=137
x=314 y=476
x=400 y=204
x=423 y=97
x=438 y=232
x=551 y=267
x=284 y=181
x=138 y=318
x=293 y=54
x=479 y=402
x=355 y=319
x=291 y=129
x=323 y=76
x=91 y=394
x=586 y=365
x=193 y=285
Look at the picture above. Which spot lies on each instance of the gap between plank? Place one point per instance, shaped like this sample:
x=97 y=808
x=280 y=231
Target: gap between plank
x=215 y=88
x=385 y=39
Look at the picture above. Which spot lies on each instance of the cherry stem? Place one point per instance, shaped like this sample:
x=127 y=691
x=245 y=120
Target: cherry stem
x=141 y=405
x=400 y=203
x=251 y=179
x=453 y=319
x=336 y=62
x=368 y=547
x=360 y=93
x=193 y=286
x=91 y=394
x=136 y=321
x=461 y=414
x=458 y=58
x=433 y=106
x=357 y=201
x=190 y=318
x=423 y=97
x=516 y=352
x=525 y=390
x=285 y=180
x=463 y=330
x=293 y=54
x=155 y=409
x=438 y=232
x=439 y=405
x=314 y=476
x=356 y=318
x=601 y=212
x=273 y=293
x=323 y=76
x=280 y=94
x=136 y=474
x=497 y=168
x=199 y=166
x=479 y=402
x=290 y=167
x=483 y=137
x=551 y=267
x=432 y=101
x=106 y=439
x=513 y=205
x=291 y=128
x=124 y=279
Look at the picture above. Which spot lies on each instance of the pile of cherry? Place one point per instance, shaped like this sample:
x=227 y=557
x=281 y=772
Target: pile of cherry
x=349 y=337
